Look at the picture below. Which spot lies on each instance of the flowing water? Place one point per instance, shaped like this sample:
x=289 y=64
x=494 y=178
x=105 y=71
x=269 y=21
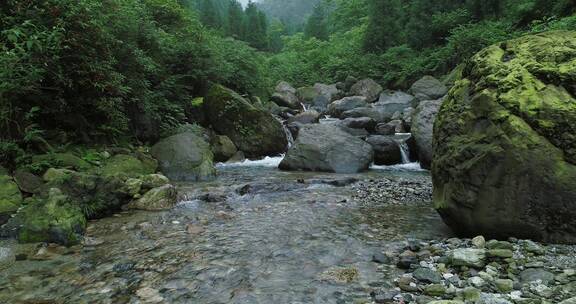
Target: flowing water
x=255 y=235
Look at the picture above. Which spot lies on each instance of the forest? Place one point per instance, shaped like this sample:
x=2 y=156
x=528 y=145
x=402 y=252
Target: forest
x=288 y=151
x=81 y=71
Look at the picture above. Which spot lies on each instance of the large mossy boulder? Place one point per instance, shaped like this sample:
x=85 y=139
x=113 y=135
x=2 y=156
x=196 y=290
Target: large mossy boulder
x=185 y=157
x=157 y=199
x=505 y=142
x=54 y=219
x=127 y=166
x=10 y=198
x=254 y=131
x=327 y=148
x=96 y=195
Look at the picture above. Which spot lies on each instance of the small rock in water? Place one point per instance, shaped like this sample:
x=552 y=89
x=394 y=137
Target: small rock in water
x=149 y=295
x=381 y=258
x=193 y=229
x=426 y=275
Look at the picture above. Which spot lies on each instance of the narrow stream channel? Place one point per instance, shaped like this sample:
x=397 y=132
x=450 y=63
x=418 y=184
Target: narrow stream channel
x=255 y=235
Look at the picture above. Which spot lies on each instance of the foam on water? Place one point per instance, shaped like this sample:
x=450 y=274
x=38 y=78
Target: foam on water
x=400 y=167
x=265 y=162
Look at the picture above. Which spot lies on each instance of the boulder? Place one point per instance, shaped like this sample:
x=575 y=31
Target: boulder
x=402 y=99
x=96 y=195
x=54 y=219
x=157 y=199
x=428 y=88
x=327 y=148
x=505 y=142
x=307 y=94
x=286 y=99
x=386 y=150
x=423 y=129
x=349 y=82
x=253 y=131
x=185 y=157
x=367 y=88
x=223 y=148
x=151 y=181
x=127 y=166
x=285 y=87
x=10 y=198
x=307 y=117
x=346 y=104
x=329 y=91
x=373 y=112
x=365 y=123
x=385 y=129
x=28 y=182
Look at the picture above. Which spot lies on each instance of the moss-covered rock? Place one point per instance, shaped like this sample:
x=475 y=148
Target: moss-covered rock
x=161 y=198
x=54 y=219
x=97 y=196
x=10 y=198
x=185 y=157
x=153 y=181
x=253 y=131
x=127 y=166
x=223 y=148
x=505 y=142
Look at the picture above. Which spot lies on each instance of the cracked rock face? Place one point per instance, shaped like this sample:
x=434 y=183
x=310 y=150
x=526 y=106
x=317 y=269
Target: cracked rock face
x=505 y=142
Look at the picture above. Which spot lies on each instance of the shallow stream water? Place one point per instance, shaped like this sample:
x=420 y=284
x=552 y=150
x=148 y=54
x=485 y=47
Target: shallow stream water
x=255 y=235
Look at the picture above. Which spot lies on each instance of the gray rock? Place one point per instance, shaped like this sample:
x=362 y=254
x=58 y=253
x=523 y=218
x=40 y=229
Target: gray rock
x=468 y=257
x=365 y=123
x=185 y=156
x=327 y=148
x=428 y=88
x=223 y=148
x=308 y=117
x=423 y=129
x=367 y=88
x=386 y=150
x=346 y=104
x=427 y=275
x=28 y=182
x=569 y=301
x=536 y=274
x=161 y=198
x=385 y=129
x=329 y=91
x=286 y=99
x=283 y=87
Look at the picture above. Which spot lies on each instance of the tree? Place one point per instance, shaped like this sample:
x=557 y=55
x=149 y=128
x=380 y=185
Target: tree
x=255 y=27
x=209 y=15
x=317 y=26
x=235 y=20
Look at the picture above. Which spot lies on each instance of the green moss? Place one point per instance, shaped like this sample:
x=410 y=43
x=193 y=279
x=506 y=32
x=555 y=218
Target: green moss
x=10 y=196
x=52 y=220
x=127 y=166
x=253 y=131
x=505 y=143
x=63 y=160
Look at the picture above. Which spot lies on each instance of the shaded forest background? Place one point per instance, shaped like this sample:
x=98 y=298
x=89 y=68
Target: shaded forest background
x=83 y=71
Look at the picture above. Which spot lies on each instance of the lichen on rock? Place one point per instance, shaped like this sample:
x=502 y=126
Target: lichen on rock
x=505 y=142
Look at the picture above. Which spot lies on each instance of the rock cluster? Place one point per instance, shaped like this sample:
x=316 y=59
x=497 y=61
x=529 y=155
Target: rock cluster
x=367 y=111
x=480 y=271
x=394 y=191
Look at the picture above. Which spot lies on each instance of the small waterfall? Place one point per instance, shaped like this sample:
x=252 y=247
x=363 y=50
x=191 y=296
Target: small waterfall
x=404 y=152
x=304 y=107
x=288 y=135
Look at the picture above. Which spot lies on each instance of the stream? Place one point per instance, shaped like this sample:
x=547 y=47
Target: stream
x=254 y=235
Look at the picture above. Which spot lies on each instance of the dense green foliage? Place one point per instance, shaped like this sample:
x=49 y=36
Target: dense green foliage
x=396 y=41
x=118 y=70
x=98 y=71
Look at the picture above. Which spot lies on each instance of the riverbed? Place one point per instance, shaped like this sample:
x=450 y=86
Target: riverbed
x=254 y=235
